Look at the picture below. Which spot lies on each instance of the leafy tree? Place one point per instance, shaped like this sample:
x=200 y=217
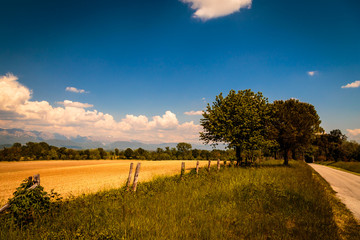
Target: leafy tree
x=117 y=152
x=183 y=147
x=184 y=150
x=294 y=125
x=128 y=153
x=239 y=120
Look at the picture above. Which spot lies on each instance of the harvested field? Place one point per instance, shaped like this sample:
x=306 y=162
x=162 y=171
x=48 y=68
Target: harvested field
x=78 y=177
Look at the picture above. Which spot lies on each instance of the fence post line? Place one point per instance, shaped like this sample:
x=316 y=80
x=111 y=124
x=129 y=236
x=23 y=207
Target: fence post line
x=218 y=164
x=209 y=165
x=129 y=177
x=136 y=176
x=182 y=169
x=197 y=167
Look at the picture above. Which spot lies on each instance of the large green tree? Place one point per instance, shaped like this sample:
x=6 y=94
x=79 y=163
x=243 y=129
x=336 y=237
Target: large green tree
x=238 y=120
x=294 y=125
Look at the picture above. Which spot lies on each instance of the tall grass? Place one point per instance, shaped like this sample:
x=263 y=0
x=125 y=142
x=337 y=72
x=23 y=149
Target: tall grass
x=350 y=166
x=268 y=202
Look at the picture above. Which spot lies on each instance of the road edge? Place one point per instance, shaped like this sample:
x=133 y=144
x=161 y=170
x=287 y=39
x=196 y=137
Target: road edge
x=348 y=225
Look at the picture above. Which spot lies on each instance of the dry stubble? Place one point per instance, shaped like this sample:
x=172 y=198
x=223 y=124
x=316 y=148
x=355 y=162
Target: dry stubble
x=86 y=176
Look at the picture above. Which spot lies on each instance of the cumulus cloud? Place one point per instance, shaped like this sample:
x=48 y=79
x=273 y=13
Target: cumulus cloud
x=75 y=90
x=193 y=113
x=12 y=92
x=207 y=9
x=353 y=132
x=312 y=73
x=68 y=103
x=355 y=84
x=17 y=110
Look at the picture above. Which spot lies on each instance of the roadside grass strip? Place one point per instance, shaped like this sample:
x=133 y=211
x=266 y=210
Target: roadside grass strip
x=270 y=201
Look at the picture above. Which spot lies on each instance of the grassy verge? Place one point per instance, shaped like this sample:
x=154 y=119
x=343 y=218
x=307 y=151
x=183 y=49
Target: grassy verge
x=268 y=202
x=353 y=167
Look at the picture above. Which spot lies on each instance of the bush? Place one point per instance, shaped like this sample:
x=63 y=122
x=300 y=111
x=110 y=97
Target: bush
x=28 y=205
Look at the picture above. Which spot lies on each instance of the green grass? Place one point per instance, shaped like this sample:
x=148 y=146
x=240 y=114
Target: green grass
x=268 y=202
x=349 y=166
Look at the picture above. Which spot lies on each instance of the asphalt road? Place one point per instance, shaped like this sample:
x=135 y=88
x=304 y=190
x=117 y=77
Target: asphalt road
x=346 y=185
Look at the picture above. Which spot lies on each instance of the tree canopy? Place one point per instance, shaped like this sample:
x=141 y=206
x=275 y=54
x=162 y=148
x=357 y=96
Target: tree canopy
x=294 y=125
x=239 y=120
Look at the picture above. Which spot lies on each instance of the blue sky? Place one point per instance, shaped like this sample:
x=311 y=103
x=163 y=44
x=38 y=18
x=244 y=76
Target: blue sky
x=143 y=64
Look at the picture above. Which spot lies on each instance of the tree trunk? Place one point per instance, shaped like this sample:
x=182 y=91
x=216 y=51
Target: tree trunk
x=286 y=157
x=238 y=156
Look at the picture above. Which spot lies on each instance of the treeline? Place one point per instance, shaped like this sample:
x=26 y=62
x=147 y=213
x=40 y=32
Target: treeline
x=288 y=129
x=334 y=146
x=43 y=151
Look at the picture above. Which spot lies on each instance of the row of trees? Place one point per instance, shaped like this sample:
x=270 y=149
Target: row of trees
x=334 y=146
x=43 y=151
x=248 y=123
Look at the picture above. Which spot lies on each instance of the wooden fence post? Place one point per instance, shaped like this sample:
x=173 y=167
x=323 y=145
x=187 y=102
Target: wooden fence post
x=218 y=164
x=37 y=179
x=182 y=169
x=129 y=178
x=136 y=176
x=197 y=167
x=209 y=165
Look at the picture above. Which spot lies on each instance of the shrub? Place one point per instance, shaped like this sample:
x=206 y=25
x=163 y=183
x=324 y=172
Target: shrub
x=28 y=205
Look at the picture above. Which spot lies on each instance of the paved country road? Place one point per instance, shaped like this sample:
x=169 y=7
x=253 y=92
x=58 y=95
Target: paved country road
x=346 y=185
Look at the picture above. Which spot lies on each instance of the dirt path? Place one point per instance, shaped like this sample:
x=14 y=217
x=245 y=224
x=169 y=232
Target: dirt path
x=346 y=185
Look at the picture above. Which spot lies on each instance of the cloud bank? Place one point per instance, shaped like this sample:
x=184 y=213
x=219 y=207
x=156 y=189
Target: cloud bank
x=207 y=9
x=354 y=134
x=17 y=110
x=355 y=84
x=68 y=103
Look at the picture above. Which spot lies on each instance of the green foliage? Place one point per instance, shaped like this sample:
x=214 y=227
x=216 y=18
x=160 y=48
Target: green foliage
x=240 y=119
x=349 y=166
x=27 y=206
x=335 y=147
x=294 y=125
x=128 y=153
x=184 y=151
x=269 y=202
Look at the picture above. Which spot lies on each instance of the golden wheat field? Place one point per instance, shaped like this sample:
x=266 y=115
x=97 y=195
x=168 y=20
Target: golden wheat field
x=86 y=176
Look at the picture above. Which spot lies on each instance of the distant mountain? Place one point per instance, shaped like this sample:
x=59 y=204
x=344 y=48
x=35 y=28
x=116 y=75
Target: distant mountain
x=11 y=136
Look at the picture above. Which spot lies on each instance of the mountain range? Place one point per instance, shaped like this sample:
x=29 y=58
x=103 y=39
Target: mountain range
x=11 y=136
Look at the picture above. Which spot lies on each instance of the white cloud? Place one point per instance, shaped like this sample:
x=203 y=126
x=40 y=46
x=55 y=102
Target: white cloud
x=193 y=113
x=75 y=90
x=353 y=132
x=312 y=73
x=355 y=84
x=68 y=103
x=17 y=110
x=12 y=92
x=207 y=9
